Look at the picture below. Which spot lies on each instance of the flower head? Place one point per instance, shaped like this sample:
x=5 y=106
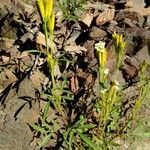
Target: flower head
x=119 y=48
x=100 y=46
x=106 y=71
x=102 y=53
x=45 y=8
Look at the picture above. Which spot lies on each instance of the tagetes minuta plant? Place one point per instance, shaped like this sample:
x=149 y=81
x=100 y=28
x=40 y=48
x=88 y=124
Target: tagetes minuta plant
x=119 y=48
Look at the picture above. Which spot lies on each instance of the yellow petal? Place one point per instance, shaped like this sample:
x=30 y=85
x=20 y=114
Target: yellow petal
x=48 y=8
x=102 y=58
x=40 y=6
x=51 y=23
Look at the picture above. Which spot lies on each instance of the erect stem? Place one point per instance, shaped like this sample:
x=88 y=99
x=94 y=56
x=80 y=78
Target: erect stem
x=46 y=37
x=48 y=51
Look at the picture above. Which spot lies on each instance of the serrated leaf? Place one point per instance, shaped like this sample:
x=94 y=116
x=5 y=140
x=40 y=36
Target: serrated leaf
x=87 y=126
x=38 y=128
x=71 y=138
x=45 y=140
x=46 y=109
x=88 y=141
x=114 y=144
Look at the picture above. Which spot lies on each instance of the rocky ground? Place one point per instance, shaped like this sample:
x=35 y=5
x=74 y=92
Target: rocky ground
x=23 y=76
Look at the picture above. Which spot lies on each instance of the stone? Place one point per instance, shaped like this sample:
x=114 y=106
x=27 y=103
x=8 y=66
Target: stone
x=75 y=49
x=17 y=132
x=129 y=4
x=6 y=43
x=97 y=33
x=26 y=89
x=121 y=15
x=129 y=23
x=6 y=78
x=129 y=71
x=143 y=55
x=38 y=79
x=106 y=16
x=87 y=19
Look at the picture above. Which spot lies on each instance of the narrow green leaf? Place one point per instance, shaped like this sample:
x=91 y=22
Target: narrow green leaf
x=35 y=51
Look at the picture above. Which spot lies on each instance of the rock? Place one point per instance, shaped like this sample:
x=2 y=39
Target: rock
x=120 y=79
x=9 y=10
x=17 y=132
x=106 y=16
x=26 y=89
x=129 y=4
x=129 y=71
x=97 y=33
x=129 y=23
x=25 y=42
x=8 y=50
x=75 y=49
x=6 y=43
x=27 y=59
x=145 y=12
x=143 y=55
x=5 y=59
x=97 y=7
x=6 y=78
x=72 y=38
x=38 y=79
x=90 y=57
x=112 y=25
x=87 y=19
x=121 y=15
x=6 y=17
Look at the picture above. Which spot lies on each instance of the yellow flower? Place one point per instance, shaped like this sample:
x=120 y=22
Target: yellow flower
x=45 y=8
x=119 y=48
x=118 y=42
x=51 y=23
x=48 y=5
x=40 y=5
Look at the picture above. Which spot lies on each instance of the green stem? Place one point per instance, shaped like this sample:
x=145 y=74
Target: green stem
x=116 y=74
x=48 y=51
x=46 y=37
